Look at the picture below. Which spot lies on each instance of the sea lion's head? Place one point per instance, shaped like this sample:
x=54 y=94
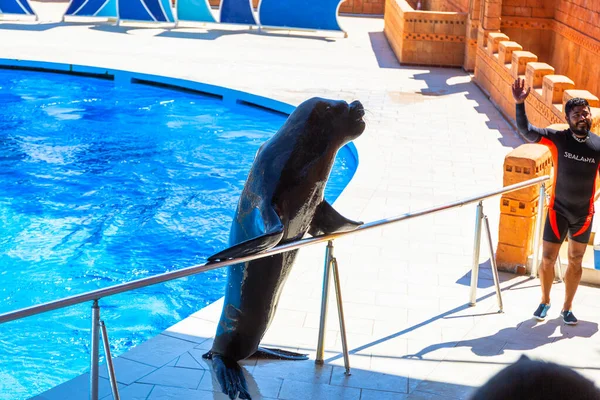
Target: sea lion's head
x=318 y=127
x=337 y=118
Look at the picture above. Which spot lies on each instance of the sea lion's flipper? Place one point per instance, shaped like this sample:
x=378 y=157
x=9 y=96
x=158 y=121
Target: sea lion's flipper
x=278 y=354
x=265 y=226
x=231 y=377
x=327 y=220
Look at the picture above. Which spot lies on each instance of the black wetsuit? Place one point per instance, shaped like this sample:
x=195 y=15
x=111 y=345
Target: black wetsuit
x=576 y=164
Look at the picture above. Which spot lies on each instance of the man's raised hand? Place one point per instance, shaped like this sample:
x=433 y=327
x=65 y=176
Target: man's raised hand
x=518 y=90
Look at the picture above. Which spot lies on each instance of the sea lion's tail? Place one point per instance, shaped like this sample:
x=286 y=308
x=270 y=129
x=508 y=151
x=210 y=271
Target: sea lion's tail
x=231 y=377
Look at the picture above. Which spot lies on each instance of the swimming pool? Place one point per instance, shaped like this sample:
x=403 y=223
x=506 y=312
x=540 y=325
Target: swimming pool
x=101 y=185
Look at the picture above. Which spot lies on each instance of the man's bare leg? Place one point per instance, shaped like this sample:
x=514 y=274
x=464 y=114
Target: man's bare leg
x=549 y=254
x=573 y=273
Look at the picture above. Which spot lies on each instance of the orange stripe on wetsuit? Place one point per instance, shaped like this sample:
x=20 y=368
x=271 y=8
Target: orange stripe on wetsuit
x=588 y=220
x=551 y=213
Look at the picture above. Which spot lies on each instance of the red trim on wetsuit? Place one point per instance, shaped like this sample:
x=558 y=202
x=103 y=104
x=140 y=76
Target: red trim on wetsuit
x=554 y=151
x=588 y=220
x=553 y=223
x=551 y=213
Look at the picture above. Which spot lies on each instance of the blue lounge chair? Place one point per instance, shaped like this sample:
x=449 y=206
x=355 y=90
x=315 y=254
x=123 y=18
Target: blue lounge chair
x=16 y=7
x=300 y=14
x=194 y=10
x=145 y=10
x=237 y=12
x=92 y=8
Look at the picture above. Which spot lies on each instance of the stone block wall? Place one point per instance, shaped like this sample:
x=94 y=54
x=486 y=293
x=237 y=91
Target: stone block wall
x=535 y=35
x=363 y=7
x=581 y=15
x=494 y=73
x=576 y=55
x=425 y=37
x=446 y=5
x=563 y=33
x=518 y=210
x=569 y=51
x=528 y=8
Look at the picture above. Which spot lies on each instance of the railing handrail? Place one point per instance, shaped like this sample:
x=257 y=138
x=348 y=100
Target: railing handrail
x=168 y=276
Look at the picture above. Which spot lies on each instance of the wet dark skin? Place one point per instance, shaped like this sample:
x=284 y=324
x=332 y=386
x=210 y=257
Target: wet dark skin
x=282 y=200
x=580 y=122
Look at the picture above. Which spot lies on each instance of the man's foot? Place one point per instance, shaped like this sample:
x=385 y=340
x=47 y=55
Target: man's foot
x=568 y=317
x=541 y=312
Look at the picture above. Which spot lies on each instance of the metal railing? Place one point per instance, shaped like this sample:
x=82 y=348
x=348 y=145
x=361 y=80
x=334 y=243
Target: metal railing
x=98 y=326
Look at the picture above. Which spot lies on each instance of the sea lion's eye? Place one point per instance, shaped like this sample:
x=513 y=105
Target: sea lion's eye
x=325 y=111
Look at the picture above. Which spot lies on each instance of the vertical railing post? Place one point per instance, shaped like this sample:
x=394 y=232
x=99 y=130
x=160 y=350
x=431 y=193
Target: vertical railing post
x=109 y=362
x=476 y=249
x=340 y=307
x=558 y=272
x=493 y=264
x=324 y=302
x=94 y=351
x=538 y=231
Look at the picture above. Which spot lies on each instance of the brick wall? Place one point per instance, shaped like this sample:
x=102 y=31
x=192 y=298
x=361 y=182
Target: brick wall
x=577 y=56
x=581 y=15
x=446 y=5
x=495 y=79
x=569 y=51
x=534 y=34
x=567 y=37
x=394 y=25
x=425 y=37
x=576 y=42
x=363 y=7
x=494 y=73
x=528 y=8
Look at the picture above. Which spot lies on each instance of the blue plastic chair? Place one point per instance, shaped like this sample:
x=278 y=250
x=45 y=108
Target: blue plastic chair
x=194 y=10
x=237 y=12
x=16 y=7
x=300 y=14
x=92 y=8
x=145 y=10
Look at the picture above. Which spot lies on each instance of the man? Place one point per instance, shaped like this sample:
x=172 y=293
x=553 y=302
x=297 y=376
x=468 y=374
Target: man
x=576 y=156
x=537 y=380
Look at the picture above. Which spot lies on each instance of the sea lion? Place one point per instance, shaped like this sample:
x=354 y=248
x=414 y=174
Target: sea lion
x=281 y=201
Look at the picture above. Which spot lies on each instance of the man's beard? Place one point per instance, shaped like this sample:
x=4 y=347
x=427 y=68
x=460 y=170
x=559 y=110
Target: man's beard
x=580 y=129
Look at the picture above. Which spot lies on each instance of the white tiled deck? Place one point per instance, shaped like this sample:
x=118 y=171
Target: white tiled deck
x=432 y=137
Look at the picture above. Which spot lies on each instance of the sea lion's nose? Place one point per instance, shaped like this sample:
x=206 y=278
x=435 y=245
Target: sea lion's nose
x=357 y=107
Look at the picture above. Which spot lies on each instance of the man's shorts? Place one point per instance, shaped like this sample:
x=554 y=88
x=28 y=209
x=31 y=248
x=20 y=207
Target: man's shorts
x=557 y=226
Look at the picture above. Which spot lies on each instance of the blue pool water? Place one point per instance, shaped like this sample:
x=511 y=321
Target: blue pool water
x=101 y=185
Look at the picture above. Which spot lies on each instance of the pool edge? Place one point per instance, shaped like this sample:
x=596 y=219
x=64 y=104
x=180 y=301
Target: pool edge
x=123 y=77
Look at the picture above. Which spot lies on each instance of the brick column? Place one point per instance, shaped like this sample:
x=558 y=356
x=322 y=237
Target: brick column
x=518 y=210
x=520 y=59
x=473 y=24
x=553 y=87
x=490 y=12
x=535 y=72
